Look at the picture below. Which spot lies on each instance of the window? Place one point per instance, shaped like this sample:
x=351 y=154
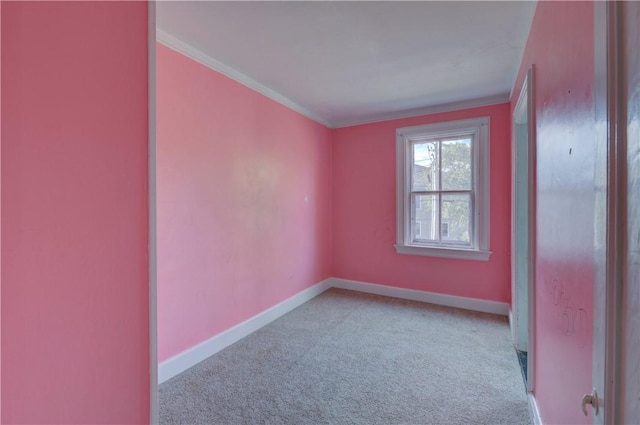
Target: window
x=443 y=189
x=445 y=230
x=418 y=229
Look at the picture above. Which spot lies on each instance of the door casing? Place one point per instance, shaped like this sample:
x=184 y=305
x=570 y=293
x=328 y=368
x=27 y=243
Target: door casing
x=523 y=219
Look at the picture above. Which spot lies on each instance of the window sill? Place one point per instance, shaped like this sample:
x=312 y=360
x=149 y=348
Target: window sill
x=457 y=253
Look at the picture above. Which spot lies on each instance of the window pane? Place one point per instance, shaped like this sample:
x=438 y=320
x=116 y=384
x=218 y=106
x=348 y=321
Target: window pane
x=425 y=218
x=425 y=166
x=456 y=219
x=456 y=164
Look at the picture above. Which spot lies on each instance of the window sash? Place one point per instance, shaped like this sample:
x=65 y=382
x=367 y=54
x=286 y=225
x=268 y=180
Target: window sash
x=439 y=241
x=410 y=203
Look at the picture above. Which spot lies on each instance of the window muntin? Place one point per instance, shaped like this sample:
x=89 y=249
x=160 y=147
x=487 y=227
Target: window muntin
x=443 y=204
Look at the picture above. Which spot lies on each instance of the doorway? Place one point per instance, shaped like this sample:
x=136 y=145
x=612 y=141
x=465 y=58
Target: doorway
x=523 y=228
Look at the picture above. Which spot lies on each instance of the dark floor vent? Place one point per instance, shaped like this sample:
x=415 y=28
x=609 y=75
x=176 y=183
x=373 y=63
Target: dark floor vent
x=522 y=359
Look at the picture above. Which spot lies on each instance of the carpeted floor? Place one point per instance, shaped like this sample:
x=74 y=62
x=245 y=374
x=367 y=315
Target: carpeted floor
x=352 y=358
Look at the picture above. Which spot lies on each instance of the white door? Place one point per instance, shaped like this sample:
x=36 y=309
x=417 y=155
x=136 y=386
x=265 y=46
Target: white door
x=630 y=356
x=602 y=66
x=616 y=343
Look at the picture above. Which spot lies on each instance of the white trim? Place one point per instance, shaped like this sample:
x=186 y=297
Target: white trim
x=427 y=110
x=520 y=116
x=480 y=128
x=603 y=80
x=459 y=254
x=611 y=164
x=474 y=304
x=532 y=205
x=532 y=244
x=186 y=49
x=152 y=216
x=194 y=355
x=524 y=111
x=512 y=327
x=536 y=419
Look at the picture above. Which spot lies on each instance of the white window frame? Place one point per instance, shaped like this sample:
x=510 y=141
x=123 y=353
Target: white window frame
x=478 y=129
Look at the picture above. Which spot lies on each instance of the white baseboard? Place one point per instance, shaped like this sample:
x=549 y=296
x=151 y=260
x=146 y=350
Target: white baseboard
x=485 y=306
x=194 y=355
x=536 y=419
x=512 y=327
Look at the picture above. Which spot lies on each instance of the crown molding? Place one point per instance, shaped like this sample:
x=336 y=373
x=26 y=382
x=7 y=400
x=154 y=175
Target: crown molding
x=427 y=110
x=197 y=55
x=188 y=50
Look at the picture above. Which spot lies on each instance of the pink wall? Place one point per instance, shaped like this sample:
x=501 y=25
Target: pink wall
x=561 y=45
x=244 y=193
x=75 y=331
x=364 y=212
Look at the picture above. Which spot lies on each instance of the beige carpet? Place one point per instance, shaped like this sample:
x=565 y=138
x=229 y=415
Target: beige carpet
x=351 y=358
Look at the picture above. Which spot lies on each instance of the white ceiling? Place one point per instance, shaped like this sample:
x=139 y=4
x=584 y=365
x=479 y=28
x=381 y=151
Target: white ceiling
x=342 y=63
